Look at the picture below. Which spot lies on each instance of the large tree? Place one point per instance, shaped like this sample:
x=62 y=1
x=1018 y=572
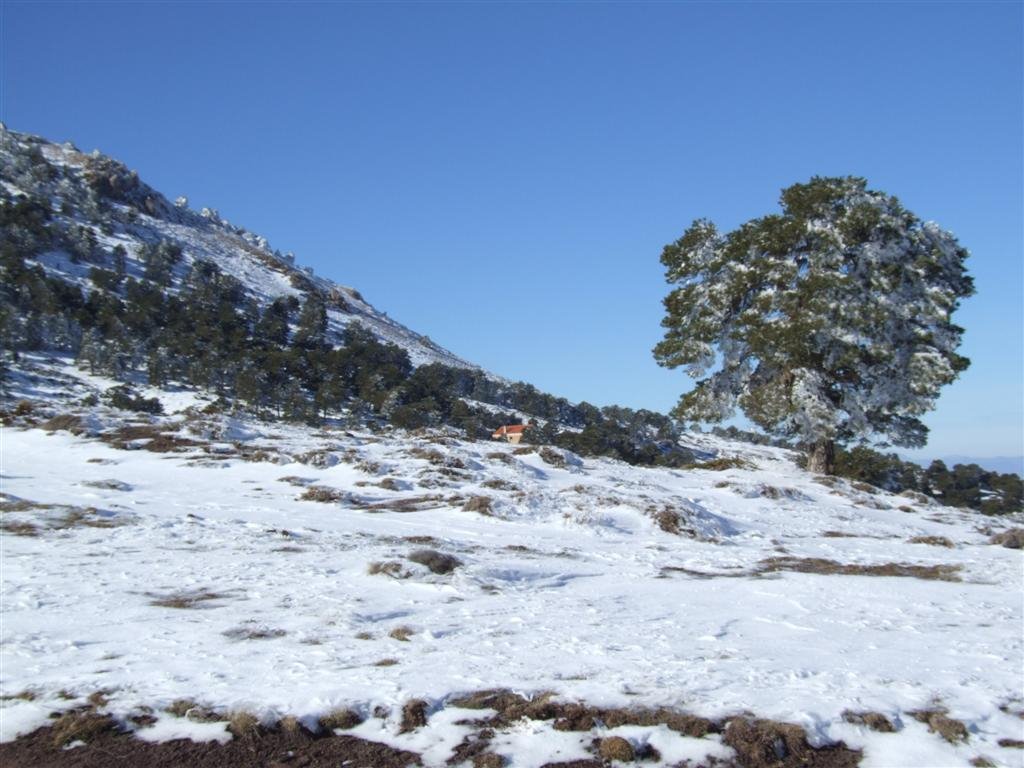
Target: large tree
x=829 y=322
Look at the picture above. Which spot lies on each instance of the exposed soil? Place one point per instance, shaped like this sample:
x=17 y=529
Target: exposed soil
x=261 y=748
x=768 y=744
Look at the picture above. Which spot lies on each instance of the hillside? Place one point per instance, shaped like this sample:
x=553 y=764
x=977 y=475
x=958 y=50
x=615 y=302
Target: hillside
x=248 y=519
x=171 y=572
x=103 y=205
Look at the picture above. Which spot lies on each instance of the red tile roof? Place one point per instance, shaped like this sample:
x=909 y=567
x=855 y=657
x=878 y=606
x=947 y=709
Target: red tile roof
x=509 y=429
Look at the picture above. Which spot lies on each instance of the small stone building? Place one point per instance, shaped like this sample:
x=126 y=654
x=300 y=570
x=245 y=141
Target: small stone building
x=511 y=433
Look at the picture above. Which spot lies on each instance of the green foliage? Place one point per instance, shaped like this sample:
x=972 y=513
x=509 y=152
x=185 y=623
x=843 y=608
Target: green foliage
x=829 y=321
x=965 y=485
x=124 y=397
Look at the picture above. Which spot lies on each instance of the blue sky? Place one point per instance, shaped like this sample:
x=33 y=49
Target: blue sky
x=503 y=177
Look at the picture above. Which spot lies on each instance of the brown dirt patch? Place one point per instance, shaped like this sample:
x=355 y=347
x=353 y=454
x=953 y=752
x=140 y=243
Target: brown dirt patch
x=821 y=565
x=574 y=716
x=257 y=748
x=156 y=439
x=770 y=744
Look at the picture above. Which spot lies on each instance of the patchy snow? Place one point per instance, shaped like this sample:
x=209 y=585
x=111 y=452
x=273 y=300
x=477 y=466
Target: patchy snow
x=203 y=575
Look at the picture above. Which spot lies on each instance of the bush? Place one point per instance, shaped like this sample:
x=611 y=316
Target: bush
x=125 y=398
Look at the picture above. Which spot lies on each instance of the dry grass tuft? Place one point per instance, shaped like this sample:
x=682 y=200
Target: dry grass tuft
x=342 y=719
x=148 y=437
x=857 y=485
x=323 y=494
x=420 y=540
x=499 y=484
x=402 y=634
x=935 y=541
x=27 y=695
x=552 y=456
x=479 y=504
x=295 y=480
x=937 y=720
x=616 y=748
x=1011 y=539
x=253 y=633
x=185 y=600
x=385 y=663
x=874 y=721
x=108 y=485
x=188 y=708
x=838 y=535
x=291 y=725
x=823 y=566
x=431 y=455
x=414 y=715
x=19 y=528
x=500 y=456
x=391 y=568
x=241 y=724
x=80 y=725
x=66 y=422
x=721 y=464
x=99 y=699
x=1011 y=743
x=407 y=504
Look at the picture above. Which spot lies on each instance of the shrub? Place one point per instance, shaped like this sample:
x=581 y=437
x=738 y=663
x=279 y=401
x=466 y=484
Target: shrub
x=125 y=398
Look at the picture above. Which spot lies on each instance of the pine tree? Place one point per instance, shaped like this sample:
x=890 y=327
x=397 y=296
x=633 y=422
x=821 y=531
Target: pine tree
x=311 y=330
x=829 y=322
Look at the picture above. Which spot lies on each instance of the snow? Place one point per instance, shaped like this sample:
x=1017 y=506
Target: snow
x=569 y=587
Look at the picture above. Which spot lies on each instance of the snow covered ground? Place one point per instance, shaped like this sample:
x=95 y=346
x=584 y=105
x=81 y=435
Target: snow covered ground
x=202 y=573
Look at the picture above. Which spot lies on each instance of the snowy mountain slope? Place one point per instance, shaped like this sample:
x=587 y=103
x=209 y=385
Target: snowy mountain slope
x=272 y=569
x=150 y=218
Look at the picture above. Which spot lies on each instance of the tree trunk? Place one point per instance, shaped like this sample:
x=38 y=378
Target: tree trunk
x=822 y=458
